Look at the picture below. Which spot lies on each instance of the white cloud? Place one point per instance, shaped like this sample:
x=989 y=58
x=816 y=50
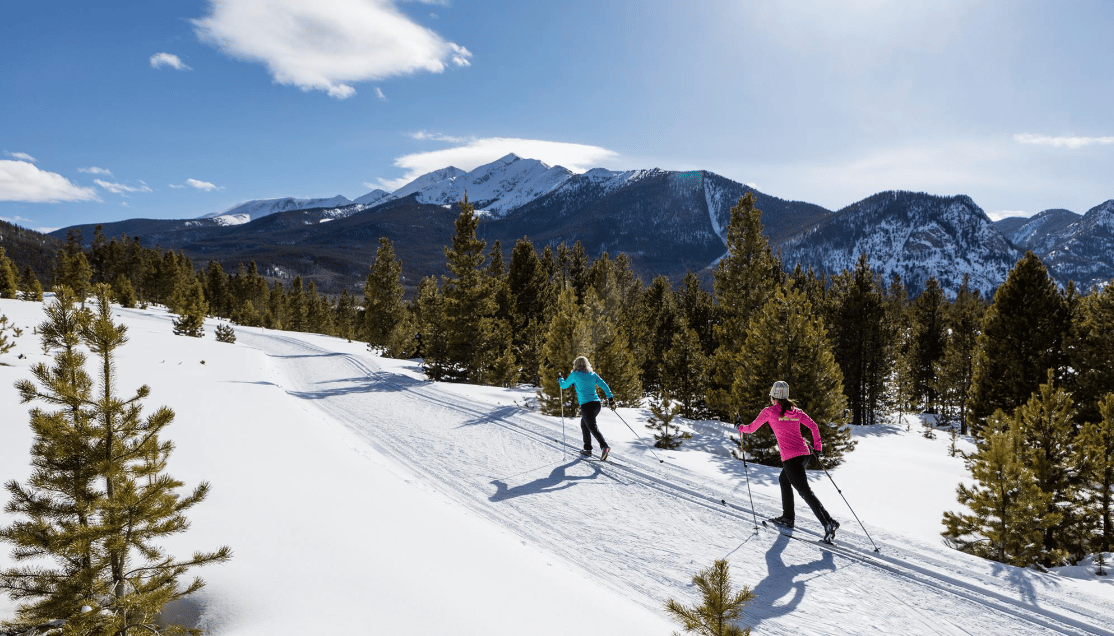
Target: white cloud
x=380 y=95
x=95 y=170
x=327 y=45
x=1062 y=142
x=23 y=181
x=476 y=152
x=1005 y=214
x=201 y=185
x=159 y=60
x=21 y=156
x=119 y=188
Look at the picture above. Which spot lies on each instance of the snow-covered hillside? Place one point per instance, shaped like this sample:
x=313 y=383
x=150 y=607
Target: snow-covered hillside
x=499 y=186
x=360 y=498
x=256 y=209
x=912 y=234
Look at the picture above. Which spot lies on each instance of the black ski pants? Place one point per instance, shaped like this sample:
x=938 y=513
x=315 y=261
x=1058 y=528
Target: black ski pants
x=588 y=413
x=793 y=476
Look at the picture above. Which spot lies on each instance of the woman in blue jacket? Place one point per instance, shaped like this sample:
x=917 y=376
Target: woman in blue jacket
x=586 y=381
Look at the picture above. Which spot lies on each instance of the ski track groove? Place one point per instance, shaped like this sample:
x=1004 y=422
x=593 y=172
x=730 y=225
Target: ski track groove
x=601 y=549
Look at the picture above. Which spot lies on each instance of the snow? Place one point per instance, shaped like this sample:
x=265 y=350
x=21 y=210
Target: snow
x=360 y=498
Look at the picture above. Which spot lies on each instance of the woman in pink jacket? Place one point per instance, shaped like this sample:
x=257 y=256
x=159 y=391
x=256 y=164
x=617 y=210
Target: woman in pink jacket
x=786 y=419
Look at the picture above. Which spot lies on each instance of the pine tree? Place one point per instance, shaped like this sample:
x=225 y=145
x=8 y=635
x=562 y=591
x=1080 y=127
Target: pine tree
x=788 y=341
x=383 y=293
x=9 y=277
x=862 y=340
x=1096 y=445
x=99 y=499
x=1090 y=351
x=30 y=286
x=1022 y=337
x=225 y=333
x=432 y=337
x=685 y=372
x=123 y=292
x=1008 y=515
x=954 y=370
x=722 y=606
x=743 y=281
x=661 y=318
x=345 y=319
x=74 y=271
x=5 y=344
x=61 y=495
x=532 y=297
x=477 y=341
x=1046 y=431
x=565 y=339
x=191 y=317
x=926 y=341
x=699 y=310
x=667 y=435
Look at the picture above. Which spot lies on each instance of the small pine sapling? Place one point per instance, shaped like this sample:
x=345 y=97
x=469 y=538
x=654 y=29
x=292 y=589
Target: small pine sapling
x=722 y=607
x=225 y=333
x=953 y=449
x=668 y=435
x=1100 y=562
x=5 y=344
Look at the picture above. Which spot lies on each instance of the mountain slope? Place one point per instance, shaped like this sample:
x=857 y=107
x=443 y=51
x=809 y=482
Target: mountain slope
x=914 y=235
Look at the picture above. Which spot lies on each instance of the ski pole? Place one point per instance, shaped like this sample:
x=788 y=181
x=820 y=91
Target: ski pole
x=848 y=504
x=562 y=389
x=746 y=471
x=660 y=460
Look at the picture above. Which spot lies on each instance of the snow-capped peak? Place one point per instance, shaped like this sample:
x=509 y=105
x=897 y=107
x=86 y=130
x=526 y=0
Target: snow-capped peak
x=264 y=207
x=499 y=186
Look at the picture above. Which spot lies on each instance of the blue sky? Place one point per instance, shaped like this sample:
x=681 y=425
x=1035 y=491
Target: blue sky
x=159 y=109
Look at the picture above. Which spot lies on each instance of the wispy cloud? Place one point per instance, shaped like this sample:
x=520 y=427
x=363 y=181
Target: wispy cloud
x=201 y=185
x=380 y=95
x=160 y=60
x=95 y=170
x=22 y=156
x=327 y=45
x=1062 y=142
x=471 y=153
x=119 y=188
x=23 y=181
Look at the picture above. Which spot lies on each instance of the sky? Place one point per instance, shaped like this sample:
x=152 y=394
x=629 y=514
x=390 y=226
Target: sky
x=115 y=110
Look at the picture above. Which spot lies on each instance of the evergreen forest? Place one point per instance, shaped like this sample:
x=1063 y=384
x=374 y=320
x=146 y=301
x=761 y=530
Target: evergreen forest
x=1026 y=373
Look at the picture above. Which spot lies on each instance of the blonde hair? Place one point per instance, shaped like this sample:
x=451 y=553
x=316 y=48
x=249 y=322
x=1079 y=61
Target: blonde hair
x=581 y=364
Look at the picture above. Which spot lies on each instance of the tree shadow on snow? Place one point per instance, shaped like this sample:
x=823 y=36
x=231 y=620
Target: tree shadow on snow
x=495 y=415
x=359 y=384
x=557 y=479
x=781 y=592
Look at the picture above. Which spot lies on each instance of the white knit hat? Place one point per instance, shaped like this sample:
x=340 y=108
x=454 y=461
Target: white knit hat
x=780 y=390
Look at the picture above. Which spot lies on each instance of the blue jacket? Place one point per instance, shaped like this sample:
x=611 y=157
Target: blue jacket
x=586 y=384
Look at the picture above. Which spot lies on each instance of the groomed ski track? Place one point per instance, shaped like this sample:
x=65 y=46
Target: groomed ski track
x=643 y=528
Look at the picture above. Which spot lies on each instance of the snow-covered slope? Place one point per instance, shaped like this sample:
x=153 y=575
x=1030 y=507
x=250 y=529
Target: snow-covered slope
x=249 y=210
x=428 y=180
x=358 y=497
x=374 y=197
x=914 y=235
x=1034 y=233
x=499 y=186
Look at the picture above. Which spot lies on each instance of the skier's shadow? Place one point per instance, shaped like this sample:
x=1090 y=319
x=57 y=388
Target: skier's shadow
x=556 y=480
x=779 y=593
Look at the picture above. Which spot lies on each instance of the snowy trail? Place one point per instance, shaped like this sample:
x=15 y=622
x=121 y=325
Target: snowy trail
x=643 y=528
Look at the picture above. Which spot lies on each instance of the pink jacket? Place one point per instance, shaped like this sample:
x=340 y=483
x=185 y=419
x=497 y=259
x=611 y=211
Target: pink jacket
x=787 y=430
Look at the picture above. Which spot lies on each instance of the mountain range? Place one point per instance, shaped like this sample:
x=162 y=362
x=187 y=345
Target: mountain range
x=667 y=222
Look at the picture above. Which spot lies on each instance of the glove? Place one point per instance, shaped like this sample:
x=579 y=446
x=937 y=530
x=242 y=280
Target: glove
x=611 y=403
